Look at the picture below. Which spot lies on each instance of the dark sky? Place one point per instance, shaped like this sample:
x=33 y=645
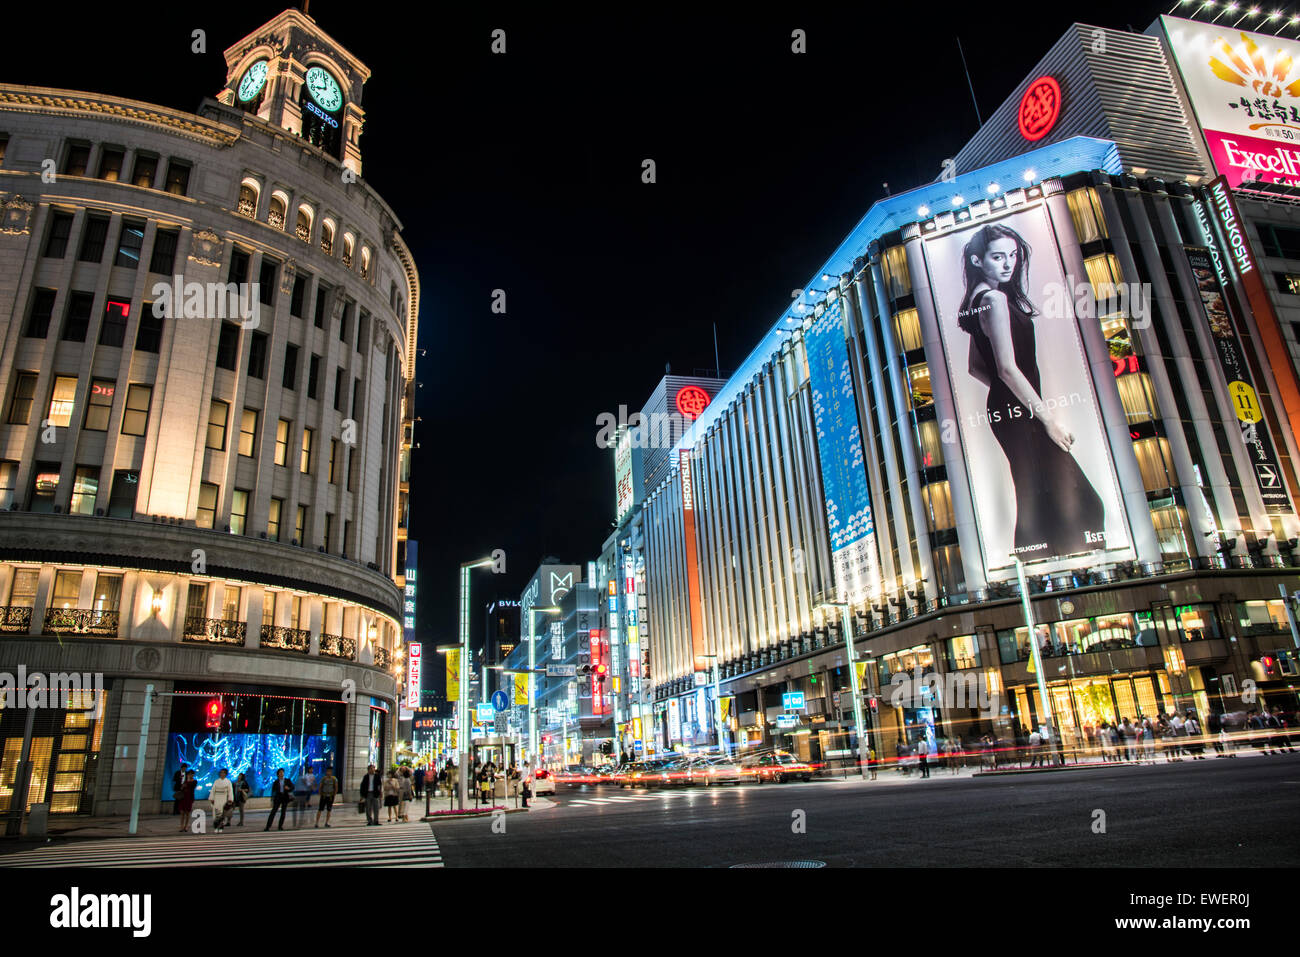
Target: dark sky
x=523 y=173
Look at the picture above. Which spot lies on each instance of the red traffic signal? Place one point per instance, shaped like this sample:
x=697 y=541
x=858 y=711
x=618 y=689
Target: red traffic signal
x=600 y=670
x=214 y=713
x=874 y=704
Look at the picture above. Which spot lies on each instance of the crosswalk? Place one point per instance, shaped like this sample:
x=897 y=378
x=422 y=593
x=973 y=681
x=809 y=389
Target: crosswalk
x=656 y=795
x=412 y=845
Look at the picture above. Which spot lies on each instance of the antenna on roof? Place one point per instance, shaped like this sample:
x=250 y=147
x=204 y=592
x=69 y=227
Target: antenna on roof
x=717 y=363
x=966 y=70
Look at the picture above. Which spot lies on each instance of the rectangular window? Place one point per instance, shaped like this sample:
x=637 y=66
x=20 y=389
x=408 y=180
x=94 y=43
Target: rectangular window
x=62 y=400
x=230 y=601
x=38 y=317
x=238 y=511
x=77 y=319
x=239 y=260
x=121 y=501
x=338 y=389
x=85 y=488
x=282 y=442
x=67 y=589
x=129 y=243
x=305 y=460
x=938 y=504
x=112 y=331
x=268 y=607
x=163 y=259
x=247 y=431
x=108 y=592
x=363 y=331
x=196 y=600
x=346 y=323
x=45 y=485
x=300 y=525
x=218 y=412
x=334 y=461
x=20 y=406
x=1085 y=210
x=110 y=163
x=56 y=243
x=296 y=298
x=77 y=160
x=1155 y=463
x=290 y=378
x=228 y=346
x=206 y=515
x=313 y=377
x=908 y=324
x=273 y=519
x=257 y=356
x=99 y=404
x=352 y=474
x=178 y=177
x=1138 y=397
x=266 y=280
x=356 y=399
x=963 y=652
x=146 y=170
x=94 y=235
x=893 y=266
x=322 y=300
x=22 y=594
x=8 y=484
x=148 y=337
x=135 y=420
x=329 y=530
x=931 y=441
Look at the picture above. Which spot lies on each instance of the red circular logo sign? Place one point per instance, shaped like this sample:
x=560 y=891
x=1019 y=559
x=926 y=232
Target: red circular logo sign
x=1039 y=108
x=691 y=401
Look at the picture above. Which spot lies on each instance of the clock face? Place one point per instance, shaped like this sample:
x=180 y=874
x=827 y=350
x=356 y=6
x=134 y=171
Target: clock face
x=253 y=81
x=324 y=90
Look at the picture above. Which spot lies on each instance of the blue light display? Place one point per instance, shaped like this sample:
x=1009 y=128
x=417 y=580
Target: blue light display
x=258 y=756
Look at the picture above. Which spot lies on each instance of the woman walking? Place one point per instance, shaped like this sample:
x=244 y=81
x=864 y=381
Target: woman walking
x=391 y=791
x=186 y=800
x=405 y=793
x=242 y=792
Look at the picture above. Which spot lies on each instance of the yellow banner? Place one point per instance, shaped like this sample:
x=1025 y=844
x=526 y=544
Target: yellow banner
x=453 y=676
x=521 y=689
x=726 y=707
x=862 y=675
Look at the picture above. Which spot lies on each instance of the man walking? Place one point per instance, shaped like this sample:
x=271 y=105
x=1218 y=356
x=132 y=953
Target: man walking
x=372 y=788
x=329 y=788
x=1035 y=747
x=302 y=789
x=280 y=793
x=923 y=755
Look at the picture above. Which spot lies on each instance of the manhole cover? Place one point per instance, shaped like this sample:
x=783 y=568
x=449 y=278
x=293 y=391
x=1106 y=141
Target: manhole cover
x=784 y=864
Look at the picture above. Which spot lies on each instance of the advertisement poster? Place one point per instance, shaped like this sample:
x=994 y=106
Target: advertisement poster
x=1245 y=89
x=843 y=469
x=1040 y=468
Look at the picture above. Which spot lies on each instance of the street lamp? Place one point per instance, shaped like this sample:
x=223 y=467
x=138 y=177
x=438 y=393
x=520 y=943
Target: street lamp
x=532 y=682
x=463 y=709
x=847 y=624
x=717 y=705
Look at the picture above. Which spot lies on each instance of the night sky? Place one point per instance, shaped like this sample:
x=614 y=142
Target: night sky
x=523 y=173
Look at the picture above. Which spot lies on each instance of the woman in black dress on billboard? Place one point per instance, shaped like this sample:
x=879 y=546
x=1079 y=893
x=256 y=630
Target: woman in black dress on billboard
x=1055 y=502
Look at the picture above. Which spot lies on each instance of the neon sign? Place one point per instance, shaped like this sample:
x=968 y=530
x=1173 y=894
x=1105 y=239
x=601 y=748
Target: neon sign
x=1039 y=109
x=691 y=401
x=321 y=113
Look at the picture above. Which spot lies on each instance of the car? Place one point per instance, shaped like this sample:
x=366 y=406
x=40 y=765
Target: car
x=543 y=782
x=780 y=766
x=646 y=774
x=715 y=770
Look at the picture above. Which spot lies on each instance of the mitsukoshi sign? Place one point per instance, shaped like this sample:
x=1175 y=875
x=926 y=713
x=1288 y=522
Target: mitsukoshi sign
x=1040 y=469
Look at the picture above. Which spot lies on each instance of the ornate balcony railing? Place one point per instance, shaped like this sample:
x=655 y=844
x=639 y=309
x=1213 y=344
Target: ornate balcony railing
x=303 y=232
x=327 y=246
x=247 y=208
x=275 y=218
x=16 y=618
x=222 y=631
x=80 y=621
x=382 y=658
x=288 y=639
x=347 y=260
x=336 y=646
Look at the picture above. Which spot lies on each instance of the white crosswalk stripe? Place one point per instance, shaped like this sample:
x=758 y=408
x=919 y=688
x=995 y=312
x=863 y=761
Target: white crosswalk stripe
x=413 y=845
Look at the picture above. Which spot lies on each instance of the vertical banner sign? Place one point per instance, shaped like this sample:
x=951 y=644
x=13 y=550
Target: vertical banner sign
x=695 y=611
x=521 y=689
x=408 y=601
x=413 y=675
x=597 y=659
x=1245 y=278
x=843 y=469
x=1245 y=402
x=453 y=676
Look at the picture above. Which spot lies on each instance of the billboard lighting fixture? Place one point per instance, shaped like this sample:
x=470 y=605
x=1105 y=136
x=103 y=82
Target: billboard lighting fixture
x=994 y=188
x=958 y=200
x=923 y=210
x=1029 y=176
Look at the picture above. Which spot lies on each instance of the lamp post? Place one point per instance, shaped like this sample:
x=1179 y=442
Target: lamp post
x=723 y=750
x=532 y=682
x=847 y=624
x=463 y=709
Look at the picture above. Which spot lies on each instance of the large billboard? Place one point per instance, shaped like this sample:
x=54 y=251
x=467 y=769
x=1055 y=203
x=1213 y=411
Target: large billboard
x=843 y=468
x=1245 y=90
x=1040 y=469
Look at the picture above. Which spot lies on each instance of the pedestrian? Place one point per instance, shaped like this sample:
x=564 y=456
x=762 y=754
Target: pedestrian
x=242 y=793
x=453 y=779
x=406 y=793
x=484 y=782
x=1148 y=740
x=1035 y=747
x=372 y=788
x=302 y=791
x=329 y=789
x=178 y=784
x=871 y=762
x=392 y=789
x=185 y=803
x=1130 y=739
x=281 y=793
x=419 y=781
x=1195 y=745
x=222 y=796
x=923 y=755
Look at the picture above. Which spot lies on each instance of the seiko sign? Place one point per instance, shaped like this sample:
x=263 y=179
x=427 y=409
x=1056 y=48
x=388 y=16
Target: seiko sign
x=322 y=114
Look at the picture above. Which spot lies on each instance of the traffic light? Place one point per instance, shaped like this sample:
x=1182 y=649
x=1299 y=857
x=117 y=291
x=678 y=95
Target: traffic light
x=875 y=705
x=214 y=713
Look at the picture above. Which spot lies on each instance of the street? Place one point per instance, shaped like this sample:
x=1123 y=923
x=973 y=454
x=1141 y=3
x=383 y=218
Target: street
x=1214 y=813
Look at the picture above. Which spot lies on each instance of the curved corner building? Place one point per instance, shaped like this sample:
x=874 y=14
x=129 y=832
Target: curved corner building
x=861 y=469
x=208 y=325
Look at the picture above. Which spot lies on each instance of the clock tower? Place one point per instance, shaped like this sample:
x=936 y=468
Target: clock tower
x=291 y=73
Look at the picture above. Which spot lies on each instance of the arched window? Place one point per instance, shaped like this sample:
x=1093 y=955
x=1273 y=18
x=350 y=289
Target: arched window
x=348 y=245
x=249 y=193
x=365 y=262
x=279 y=206
x=327 y=237
x=303 y=227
